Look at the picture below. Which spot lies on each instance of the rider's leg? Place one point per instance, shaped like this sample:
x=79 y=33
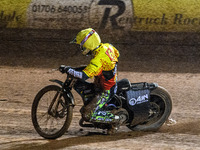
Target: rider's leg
x=84 y=88
x=99 y=114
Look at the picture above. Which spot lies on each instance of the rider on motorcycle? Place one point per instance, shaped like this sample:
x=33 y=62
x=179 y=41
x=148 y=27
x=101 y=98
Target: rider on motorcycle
x=103 y=66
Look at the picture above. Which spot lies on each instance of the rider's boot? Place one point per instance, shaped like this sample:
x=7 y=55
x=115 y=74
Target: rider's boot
x=114 y=126
x=121 y=117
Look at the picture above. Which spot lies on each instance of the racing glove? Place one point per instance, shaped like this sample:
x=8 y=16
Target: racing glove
x=69 y=70
x=64 y=69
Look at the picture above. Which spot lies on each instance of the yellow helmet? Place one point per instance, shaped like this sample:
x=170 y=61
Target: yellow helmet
x=88 y=40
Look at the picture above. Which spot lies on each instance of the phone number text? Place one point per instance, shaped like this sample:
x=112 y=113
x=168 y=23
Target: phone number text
x=59 y=9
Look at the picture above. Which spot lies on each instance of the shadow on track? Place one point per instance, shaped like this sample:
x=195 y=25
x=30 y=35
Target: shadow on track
x=183 y=127
x=91 y=137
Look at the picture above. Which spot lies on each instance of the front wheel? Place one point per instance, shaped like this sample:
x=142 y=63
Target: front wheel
x=51 y=113
x=160 y=109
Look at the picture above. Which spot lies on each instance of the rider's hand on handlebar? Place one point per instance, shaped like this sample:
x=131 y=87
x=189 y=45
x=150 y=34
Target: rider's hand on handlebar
x=64 y=69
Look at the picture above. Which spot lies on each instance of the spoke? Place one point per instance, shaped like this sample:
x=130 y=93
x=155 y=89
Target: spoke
x=47 y=123
x=41 y=117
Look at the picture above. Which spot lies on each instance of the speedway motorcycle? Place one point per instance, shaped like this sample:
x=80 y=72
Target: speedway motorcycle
x=140 y=106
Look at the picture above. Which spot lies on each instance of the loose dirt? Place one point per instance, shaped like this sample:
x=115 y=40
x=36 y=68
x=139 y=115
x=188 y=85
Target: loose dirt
x=18 y=87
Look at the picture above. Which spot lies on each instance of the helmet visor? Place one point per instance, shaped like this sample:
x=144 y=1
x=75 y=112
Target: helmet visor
x=73 y=41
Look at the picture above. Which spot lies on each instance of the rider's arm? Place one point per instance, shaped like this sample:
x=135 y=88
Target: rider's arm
x=91 y=70
x=78 y=74
x=94 y=68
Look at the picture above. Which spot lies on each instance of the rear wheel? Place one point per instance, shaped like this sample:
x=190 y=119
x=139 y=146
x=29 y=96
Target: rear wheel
x=161 y=106
x=51 y=113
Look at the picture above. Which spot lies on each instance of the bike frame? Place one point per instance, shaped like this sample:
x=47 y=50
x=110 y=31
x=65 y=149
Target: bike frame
x=66 y=88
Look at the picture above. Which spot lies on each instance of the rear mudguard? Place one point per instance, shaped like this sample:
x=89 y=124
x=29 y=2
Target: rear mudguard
x=67 y=93
x=138 y=101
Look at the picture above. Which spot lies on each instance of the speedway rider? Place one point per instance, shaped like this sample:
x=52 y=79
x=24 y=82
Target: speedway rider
x=103 y=66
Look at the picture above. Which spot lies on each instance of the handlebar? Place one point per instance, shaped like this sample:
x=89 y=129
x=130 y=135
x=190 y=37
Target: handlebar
x=75 y=68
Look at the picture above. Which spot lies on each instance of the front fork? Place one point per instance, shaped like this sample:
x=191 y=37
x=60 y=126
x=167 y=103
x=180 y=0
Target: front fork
x=53 y=108
x=67 y=101
x=66 y=92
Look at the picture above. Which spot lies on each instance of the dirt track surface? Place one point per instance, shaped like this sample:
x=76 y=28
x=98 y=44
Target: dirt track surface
x=18 y=87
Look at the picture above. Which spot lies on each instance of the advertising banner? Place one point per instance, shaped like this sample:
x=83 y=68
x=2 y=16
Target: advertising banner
x=128 y=15
x=166 y=15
